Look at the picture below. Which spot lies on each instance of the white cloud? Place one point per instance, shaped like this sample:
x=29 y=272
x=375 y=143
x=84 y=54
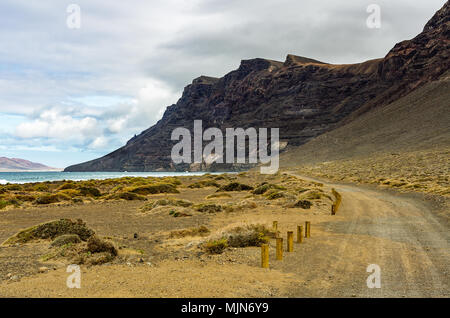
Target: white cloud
x=53 y=124
x=98 y=85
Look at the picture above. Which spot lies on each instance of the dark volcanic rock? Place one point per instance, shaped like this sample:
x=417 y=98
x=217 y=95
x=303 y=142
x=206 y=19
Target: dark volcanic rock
x=303 y=97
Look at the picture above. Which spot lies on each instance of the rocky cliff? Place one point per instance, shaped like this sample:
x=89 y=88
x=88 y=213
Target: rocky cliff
x=303 y=97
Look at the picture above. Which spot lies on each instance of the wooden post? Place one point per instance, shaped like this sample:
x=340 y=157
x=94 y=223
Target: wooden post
x=299 y=233
x=265 y=256
x=333 y=209
x=307 y=229
x=275 y=226
x=279 y=248
x=290 y=241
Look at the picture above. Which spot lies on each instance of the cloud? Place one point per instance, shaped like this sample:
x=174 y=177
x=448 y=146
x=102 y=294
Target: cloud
x=95 y=87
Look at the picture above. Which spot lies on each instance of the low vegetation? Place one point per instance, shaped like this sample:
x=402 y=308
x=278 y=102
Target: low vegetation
x=51 y=230
x=235 y=186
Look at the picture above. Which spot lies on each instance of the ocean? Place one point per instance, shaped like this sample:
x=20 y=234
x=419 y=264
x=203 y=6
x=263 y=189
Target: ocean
x=26 y=177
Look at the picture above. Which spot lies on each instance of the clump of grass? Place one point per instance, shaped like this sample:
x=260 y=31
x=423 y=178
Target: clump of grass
x=66 y=239
x=274 y=194
x=204 y=184
x=235 y=186
x=129 y=196
x=216 y=246
x=70 y=192
x=166 y=202
x=263 y=188
x=3 y=204
x=48 y=198
x=314 y=194
x=25 y=197
x=239 y=236
x=208 y=208
x=67 y=186
x=304 y=204
x=176 y=213
x=40 y=187
x=218 y=195
x=155 y=189
x=96 y=245
x=198 y=231
x=51 y=230
x=246 y=204
x=90 y=191
x=248 y=235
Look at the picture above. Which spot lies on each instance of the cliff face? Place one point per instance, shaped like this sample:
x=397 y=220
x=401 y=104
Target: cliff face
x=303 y=97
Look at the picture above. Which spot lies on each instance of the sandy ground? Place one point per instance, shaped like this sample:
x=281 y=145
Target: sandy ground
x=399 y=233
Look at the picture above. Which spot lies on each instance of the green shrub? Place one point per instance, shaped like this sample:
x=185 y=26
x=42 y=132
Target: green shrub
x=129 y=196
x=68 y=185
x=274 y=194
x=304 y=204
x=203 y=184
x=155 y=189
x=235 y=186
x=48 y=199
x=13 y=187
x=51 y=230
x=40 y=187
x=90 y=191
x=3 y=204
x=216 y=247
x=66 y=239
x=261 y=189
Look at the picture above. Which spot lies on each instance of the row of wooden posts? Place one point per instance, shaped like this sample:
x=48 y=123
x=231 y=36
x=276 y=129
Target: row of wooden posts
x=279 y=244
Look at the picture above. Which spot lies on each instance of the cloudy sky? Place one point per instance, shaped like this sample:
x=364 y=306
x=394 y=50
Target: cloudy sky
x=69 y=95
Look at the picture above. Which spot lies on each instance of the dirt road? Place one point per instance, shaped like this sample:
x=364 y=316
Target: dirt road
x=399 y=234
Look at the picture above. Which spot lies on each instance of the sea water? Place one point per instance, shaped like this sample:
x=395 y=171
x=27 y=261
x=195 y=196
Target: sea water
x=26 y=177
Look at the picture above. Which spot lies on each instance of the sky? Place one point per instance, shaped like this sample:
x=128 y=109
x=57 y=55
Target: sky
x=74 y=87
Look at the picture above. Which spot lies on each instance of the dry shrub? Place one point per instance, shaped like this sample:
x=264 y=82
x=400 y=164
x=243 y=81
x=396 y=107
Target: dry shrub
x=96 y=245
x=198 y=231
x=166 y=202
x=238 y=235
x=218 y=195
x=208 y=208
x=246 y=204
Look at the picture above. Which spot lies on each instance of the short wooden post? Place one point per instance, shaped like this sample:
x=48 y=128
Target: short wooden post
x=307 y=229
x=265 y=256
x=279 y=248
x=290 y=241
x=333 y=209
x=275 y=226
x=299 y=233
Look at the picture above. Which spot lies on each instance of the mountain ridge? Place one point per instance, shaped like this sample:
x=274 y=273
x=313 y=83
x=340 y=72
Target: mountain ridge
x=304 y=97
x=17 y=164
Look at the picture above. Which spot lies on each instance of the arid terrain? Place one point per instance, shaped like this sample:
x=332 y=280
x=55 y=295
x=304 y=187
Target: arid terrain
x=164 y=249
